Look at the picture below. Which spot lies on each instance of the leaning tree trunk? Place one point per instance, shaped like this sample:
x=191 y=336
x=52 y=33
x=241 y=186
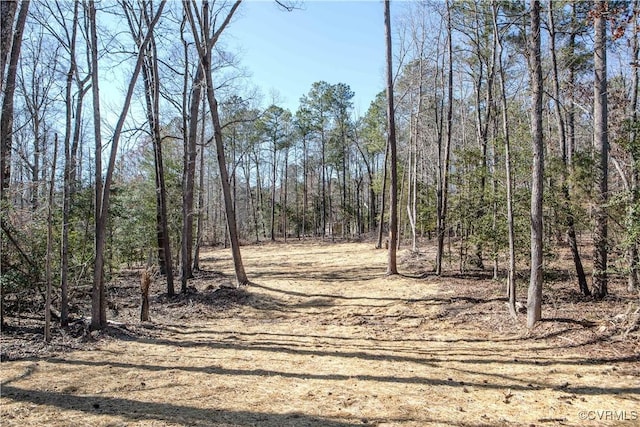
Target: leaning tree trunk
x=98 y=306
x=205 y=48
x=241 y=276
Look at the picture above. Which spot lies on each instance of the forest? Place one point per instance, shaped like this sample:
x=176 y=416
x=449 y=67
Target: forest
x=500 y=163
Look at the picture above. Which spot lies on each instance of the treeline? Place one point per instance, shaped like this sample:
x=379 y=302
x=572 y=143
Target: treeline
x=128 y=136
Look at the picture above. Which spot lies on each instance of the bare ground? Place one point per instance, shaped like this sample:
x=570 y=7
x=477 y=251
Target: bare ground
x=323 y=338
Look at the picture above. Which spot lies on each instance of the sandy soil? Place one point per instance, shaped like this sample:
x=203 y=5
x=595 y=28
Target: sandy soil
x=323 y=338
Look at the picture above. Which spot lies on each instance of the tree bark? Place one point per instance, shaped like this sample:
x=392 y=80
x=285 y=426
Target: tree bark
x=9 y=87
x=151 y=81
x=633 y=279
x=562 y=136
x=145 y=284
x=49 y=274
x=511 y=278
x=201 y=207
x=188 y=178
x=69 y=166
x=205 y=47
x=444 y=190
x=98 y=307
x=7 y=15
x=392 y=267
x=98 y=303
x=534 y=300
x=274 y=159
x=601 y=146
x=385 y=172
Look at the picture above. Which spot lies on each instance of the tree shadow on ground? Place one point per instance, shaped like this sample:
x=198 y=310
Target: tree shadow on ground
x=133 y=410
x=136 y=411
x=512 y=382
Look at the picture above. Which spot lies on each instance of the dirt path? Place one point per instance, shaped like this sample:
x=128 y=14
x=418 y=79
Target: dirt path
x=323 y=338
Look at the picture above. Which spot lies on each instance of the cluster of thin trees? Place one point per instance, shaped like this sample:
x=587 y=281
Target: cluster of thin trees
x=122 y=146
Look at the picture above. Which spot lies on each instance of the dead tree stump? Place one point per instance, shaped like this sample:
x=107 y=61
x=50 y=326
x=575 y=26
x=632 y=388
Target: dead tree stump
x=145 y=284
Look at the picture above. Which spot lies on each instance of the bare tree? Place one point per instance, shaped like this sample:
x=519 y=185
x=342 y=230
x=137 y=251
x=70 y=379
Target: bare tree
x=49 y=273
x=562 y=136
x=8 y=87
x=98 y=303
x=103 y=191
x=445 y=155
x=73 y=123
x=392 y=266
x=201 y=191
x=511 y=280
x=188 y=177
x=138 y=21
x=205 y=37
x=633 y=215
x=534 y=300
x=601 y=146
x=7 y=14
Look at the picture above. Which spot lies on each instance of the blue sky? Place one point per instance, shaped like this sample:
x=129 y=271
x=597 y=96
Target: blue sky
x=335 y=41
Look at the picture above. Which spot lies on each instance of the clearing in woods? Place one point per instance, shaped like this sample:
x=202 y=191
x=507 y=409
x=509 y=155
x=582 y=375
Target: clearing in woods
x=323 y=338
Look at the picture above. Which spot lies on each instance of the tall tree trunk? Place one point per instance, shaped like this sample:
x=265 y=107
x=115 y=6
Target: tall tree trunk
x=205 y=47
x=259 y=195
x=47 y=308
x=188 y=179
x=199 y=223
x=9 y=87
x=511 y=279
x=250 y=197
x=534 y=300
x=412 y=179
x=98 y=304
x=7 y=15
x=285 y=174
x=444 y=190
x=482 y=124
x=274 y=159
x=98 y=307
x=69 y=166
x=601 y=146
x=241 y=276
x=151 y=80
x=324 y=180
x=633 y=215
x=392 y=267
x=201 y=207
x=305 y=191
x=562 y=135
x=385 y=172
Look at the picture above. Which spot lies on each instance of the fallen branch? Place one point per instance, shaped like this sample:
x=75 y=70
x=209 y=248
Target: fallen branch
x=15 y=243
